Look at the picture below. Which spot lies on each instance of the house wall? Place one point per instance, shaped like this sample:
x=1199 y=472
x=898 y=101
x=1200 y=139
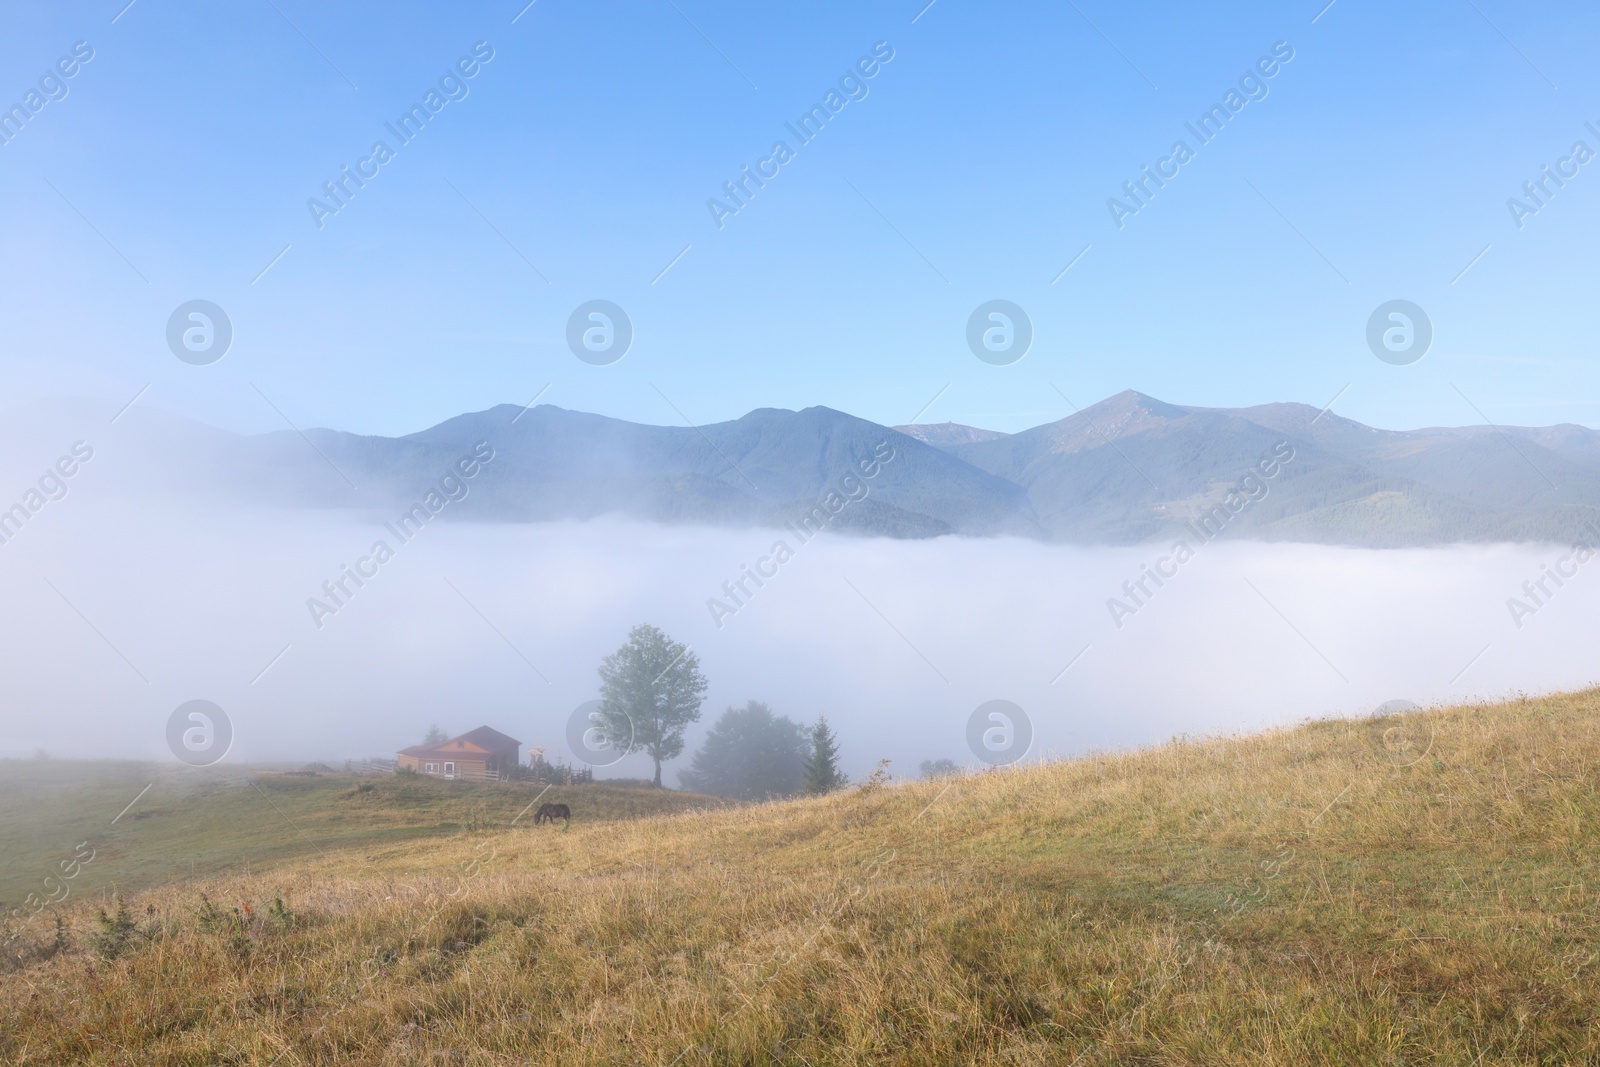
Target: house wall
x=471 y=764
x=466 y=769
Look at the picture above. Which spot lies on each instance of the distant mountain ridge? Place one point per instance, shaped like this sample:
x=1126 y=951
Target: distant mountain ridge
x=1125 y=470
x=944 y=434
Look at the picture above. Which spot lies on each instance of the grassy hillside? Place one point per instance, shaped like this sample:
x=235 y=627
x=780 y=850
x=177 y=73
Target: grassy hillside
x=1407 y=890
x=191 y=822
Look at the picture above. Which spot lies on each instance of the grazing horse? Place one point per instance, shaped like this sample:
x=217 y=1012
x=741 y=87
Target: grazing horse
x=552 y=812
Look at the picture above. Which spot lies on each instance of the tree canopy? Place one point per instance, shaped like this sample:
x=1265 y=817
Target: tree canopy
x=650 y=690
x=750 y=754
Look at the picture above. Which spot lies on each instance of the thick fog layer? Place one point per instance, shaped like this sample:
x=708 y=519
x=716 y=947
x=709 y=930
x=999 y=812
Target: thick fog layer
x=120 y=608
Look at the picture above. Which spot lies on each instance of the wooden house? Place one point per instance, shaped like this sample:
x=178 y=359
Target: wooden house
x=481 y=755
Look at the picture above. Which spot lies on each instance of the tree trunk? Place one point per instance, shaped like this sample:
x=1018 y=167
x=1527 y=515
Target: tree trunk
x=658 y=774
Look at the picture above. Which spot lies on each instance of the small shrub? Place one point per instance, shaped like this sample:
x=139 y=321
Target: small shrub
x=112 y=932
x=211 y=917
x=232 y=926
x=879 y=777
x=18 y=951
x=279 y=915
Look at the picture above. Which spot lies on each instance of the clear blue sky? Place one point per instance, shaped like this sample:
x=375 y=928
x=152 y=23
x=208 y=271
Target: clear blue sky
x=977 y=167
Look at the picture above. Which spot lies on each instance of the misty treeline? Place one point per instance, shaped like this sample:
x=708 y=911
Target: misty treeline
x=651 y=689
x=752 y=754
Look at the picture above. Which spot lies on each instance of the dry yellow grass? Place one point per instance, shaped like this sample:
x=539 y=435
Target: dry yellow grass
x=1410 y=890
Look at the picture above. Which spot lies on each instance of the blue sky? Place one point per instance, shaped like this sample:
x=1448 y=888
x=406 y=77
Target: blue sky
x=978 y=166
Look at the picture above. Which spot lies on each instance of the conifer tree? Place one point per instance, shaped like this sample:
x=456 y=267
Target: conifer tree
x=822 y=769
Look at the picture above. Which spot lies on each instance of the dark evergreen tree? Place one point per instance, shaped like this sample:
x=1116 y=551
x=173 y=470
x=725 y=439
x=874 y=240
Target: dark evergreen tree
x=435 y=736
x=822 y=769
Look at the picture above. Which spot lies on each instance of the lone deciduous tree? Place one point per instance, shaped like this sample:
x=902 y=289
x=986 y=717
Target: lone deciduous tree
x=650 y=690
x=822 y=769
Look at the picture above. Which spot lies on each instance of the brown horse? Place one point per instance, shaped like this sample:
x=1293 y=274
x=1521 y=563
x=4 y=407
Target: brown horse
x=552 y=812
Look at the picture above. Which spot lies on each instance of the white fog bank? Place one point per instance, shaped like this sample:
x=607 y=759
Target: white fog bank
x=117 y=611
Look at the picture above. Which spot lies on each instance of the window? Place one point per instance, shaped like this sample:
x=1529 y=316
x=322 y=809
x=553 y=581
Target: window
x=430 y=768
x=449 y=770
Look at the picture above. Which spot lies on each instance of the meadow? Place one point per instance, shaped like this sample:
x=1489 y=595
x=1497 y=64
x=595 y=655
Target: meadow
x=148 y=824
x=1407 y=889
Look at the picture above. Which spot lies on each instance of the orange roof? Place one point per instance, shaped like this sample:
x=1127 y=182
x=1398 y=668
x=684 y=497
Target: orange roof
x=487 y=738
x=474 y=744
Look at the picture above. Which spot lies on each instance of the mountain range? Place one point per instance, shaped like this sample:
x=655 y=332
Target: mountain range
x=1128 y=469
